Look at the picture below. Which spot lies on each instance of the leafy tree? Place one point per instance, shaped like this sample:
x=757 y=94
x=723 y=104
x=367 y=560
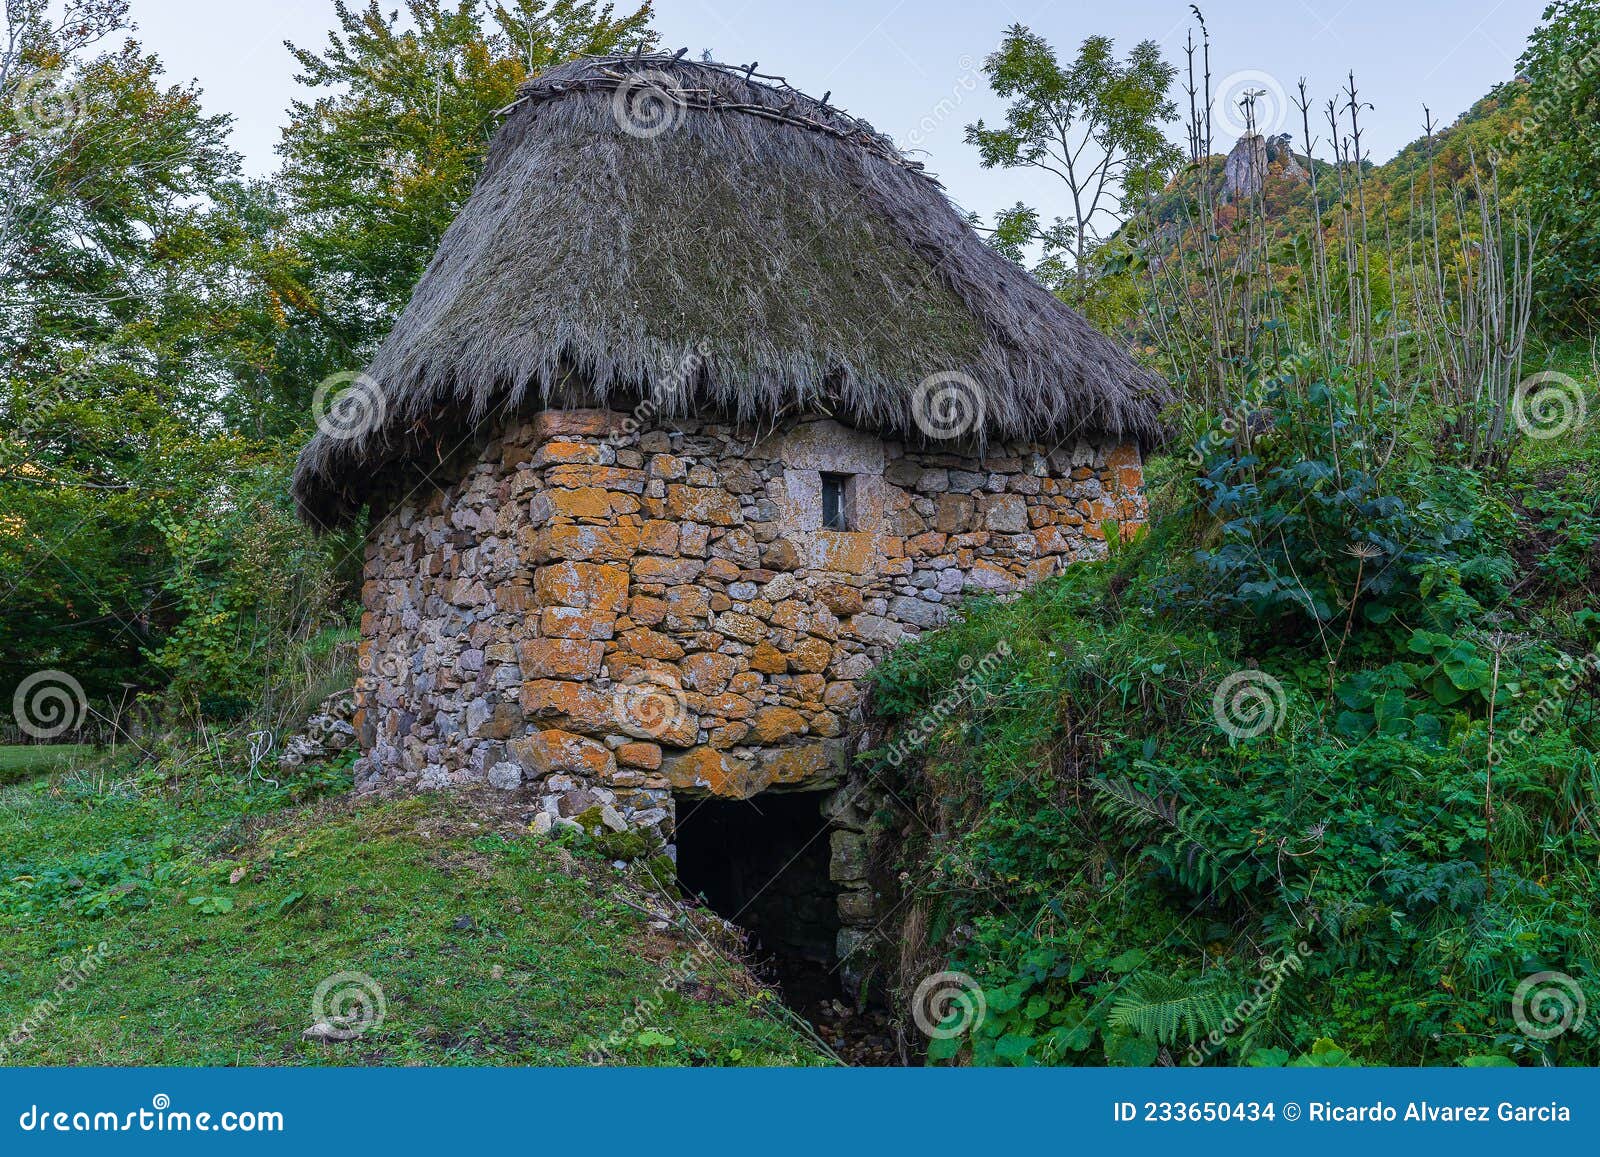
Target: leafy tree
x=141 y=305
x=1095 y=124
x=162 y=322
x=1557 y=154
x=38 y=130
x=376 y=169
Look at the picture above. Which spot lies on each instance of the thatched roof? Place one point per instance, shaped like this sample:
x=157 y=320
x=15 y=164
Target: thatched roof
x=784 y=252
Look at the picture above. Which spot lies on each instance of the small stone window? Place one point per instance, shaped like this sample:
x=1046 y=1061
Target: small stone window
x=835 y=501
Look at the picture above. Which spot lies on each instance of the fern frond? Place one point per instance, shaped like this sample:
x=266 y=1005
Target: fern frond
x=1138 y=809
x=1171 y=1011
x=1179 y=845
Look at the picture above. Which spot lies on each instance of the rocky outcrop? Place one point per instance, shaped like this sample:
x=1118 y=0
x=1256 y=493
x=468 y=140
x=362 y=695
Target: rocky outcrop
x=1280 y=152
x=1252 y=159
x=1245 y=169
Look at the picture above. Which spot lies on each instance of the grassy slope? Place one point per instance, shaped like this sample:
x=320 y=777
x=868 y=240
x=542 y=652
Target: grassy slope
x=491 y=946
x=1577 y=449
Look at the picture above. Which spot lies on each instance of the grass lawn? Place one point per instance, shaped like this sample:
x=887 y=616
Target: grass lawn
x=220 y=917
x=1578 y=443
x=20 y=761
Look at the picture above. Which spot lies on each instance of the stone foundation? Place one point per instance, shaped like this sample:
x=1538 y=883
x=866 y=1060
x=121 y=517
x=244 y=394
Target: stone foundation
x=600 y=617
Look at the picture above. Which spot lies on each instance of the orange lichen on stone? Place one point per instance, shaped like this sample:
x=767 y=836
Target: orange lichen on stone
x=673 y=571
x=703 y=504
x=659 y=536
x=573 y=623
x=744 y=628
x=588 y=543
x=586 y=502
x=796 y=764
x=775 y=724
x=652 y=644
x=552 y=424
x=577 y=706
x=850 y=552
x=768 y=659
x=645 y=755
x=560 y=658
x=714 y=772
x=563 y=453
x=545 y=752
x=810 y=655
x=583 y=585
x=605 y=477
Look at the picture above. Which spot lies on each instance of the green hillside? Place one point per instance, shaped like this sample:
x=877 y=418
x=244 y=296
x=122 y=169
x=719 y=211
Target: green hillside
x=217 y=913
x=1393 y=189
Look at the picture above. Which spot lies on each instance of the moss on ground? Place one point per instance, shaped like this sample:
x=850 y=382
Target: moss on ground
x=219 y=920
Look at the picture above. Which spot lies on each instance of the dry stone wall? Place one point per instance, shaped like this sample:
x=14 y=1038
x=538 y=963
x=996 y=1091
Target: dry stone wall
x=601 y=617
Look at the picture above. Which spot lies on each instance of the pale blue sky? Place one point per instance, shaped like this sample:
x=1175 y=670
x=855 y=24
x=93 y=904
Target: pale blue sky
x=910 y=66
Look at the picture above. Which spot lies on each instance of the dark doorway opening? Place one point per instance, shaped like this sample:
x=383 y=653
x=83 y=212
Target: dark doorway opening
x=763 y=864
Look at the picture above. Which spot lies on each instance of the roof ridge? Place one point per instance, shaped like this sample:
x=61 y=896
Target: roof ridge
x=616 y=72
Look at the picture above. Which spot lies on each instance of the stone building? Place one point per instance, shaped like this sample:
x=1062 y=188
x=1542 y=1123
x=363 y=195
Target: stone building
x=708 y=399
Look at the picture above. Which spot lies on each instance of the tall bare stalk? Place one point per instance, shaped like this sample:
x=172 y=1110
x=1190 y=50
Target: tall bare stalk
x=1226 y=298
x=1472 y=309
